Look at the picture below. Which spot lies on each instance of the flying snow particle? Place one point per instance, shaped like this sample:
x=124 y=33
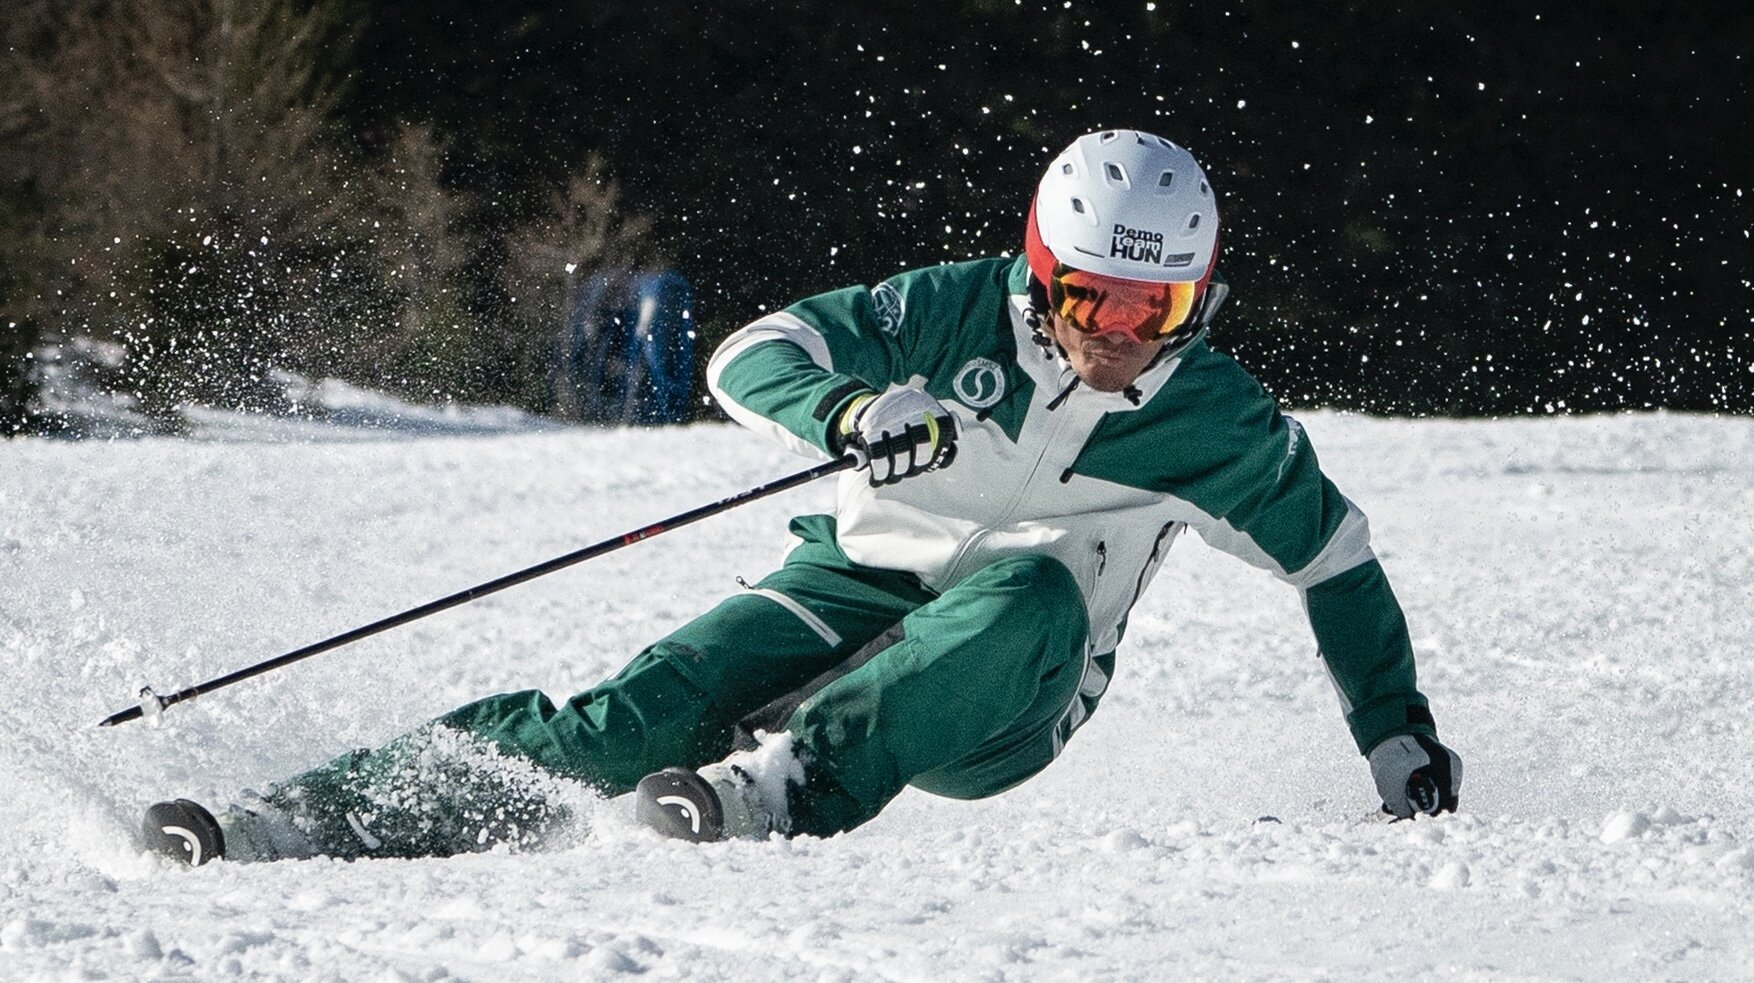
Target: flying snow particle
x=1242 y=103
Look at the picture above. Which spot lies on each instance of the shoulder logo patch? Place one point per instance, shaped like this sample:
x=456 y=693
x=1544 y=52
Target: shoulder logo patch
x=890 y=307
x=980 y=384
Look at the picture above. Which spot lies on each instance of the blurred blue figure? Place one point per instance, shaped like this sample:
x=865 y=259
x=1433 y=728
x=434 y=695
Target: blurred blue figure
x=627 y=354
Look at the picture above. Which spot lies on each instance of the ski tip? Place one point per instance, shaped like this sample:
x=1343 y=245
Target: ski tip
x=184 y=831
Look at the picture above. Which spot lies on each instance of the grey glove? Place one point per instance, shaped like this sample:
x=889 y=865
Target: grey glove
x=1416 y=774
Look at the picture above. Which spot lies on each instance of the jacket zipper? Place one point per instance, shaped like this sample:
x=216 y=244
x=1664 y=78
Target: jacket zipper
x=1058 y=423
x=1055 y=403
x=1156 y=551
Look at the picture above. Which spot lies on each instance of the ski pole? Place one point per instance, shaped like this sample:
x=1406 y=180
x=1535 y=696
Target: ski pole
x=151 y=704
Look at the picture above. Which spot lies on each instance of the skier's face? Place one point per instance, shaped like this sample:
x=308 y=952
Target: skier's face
x=1105 y=362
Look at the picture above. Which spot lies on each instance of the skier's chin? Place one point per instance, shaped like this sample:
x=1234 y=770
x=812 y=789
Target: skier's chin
x=1107 y=363
x=1106 y=373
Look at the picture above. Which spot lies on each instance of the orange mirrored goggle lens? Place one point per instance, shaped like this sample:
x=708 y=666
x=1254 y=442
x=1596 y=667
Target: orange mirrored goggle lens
x=1096 y=304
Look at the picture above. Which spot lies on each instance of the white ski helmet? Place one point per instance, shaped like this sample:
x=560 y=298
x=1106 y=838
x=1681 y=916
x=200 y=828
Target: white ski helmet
x=1126 y=204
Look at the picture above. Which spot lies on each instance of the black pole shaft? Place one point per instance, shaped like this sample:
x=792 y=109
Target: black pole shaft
x=493 y=586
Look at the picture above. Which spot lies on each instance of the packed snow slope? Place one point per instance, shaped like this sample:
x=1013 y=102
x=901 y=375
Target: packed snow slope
x=1578 y=588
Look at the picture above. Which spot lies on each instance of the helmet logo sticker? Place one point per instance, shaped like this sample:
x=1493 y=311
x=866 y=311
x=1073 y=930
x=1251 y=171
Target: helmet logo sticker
x=980 y=384
x=1138 y=245
x=890 y=307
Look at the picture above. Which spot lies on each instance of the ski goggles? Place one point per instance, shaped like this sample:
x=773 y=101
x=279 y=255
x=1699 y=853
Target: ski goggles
x=1095 y=304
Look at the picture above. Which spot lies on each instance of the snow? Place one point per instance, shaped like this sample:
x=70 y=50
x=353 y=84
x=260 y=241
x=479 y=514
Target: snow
x=771 y=765
x=1578 y=589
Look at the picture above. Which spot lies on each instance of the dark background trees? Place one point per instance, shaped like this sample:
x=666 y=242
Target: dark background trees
x=1428 y=208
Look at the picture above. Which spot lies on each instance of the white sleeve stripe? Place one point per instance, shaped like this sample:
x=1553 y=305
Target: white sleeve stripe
x=774 y=327
x=1348 y=547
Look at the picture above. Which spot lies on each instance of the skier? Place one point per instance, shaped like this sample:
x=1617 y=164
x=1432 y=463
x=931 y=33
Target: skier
x=1033 y=435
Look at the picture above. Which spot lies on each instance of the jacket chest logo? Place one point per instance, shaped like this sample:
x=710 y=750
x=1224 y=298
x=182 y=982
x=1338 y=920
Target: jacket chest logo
x=980 y=384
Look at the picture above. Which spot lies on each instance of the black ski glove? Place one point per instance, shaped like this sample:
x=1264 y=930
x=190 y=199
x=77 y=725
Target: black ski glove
x=1416 y=774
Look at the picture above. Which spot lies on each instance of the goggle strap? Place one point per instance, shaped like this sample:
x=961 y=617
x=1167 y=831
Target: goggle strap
x=1217 y=291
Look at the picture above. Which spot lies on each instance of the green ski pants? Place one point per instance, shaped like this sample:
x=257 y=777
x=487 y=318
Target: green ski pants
x=981 y=692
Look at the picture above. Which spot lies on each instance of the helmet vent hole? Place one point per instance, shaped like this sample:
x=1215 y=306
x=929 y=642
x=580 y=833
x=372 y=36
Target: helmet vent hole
x=1066 y=169
x=1108 y=136
x=1166 y=180
x=1193 y=221
x=1204 y=190
x=1078 y=205
x=1115 y=174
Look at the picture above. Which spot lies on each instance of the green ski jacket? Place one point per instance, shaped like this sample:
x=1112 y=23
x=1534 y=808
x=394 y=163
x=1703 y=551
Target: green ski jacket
x=1102 y=482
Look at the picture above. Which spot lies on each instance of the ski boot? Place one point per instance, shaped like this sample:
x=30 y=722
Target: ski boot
x=740 y=798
